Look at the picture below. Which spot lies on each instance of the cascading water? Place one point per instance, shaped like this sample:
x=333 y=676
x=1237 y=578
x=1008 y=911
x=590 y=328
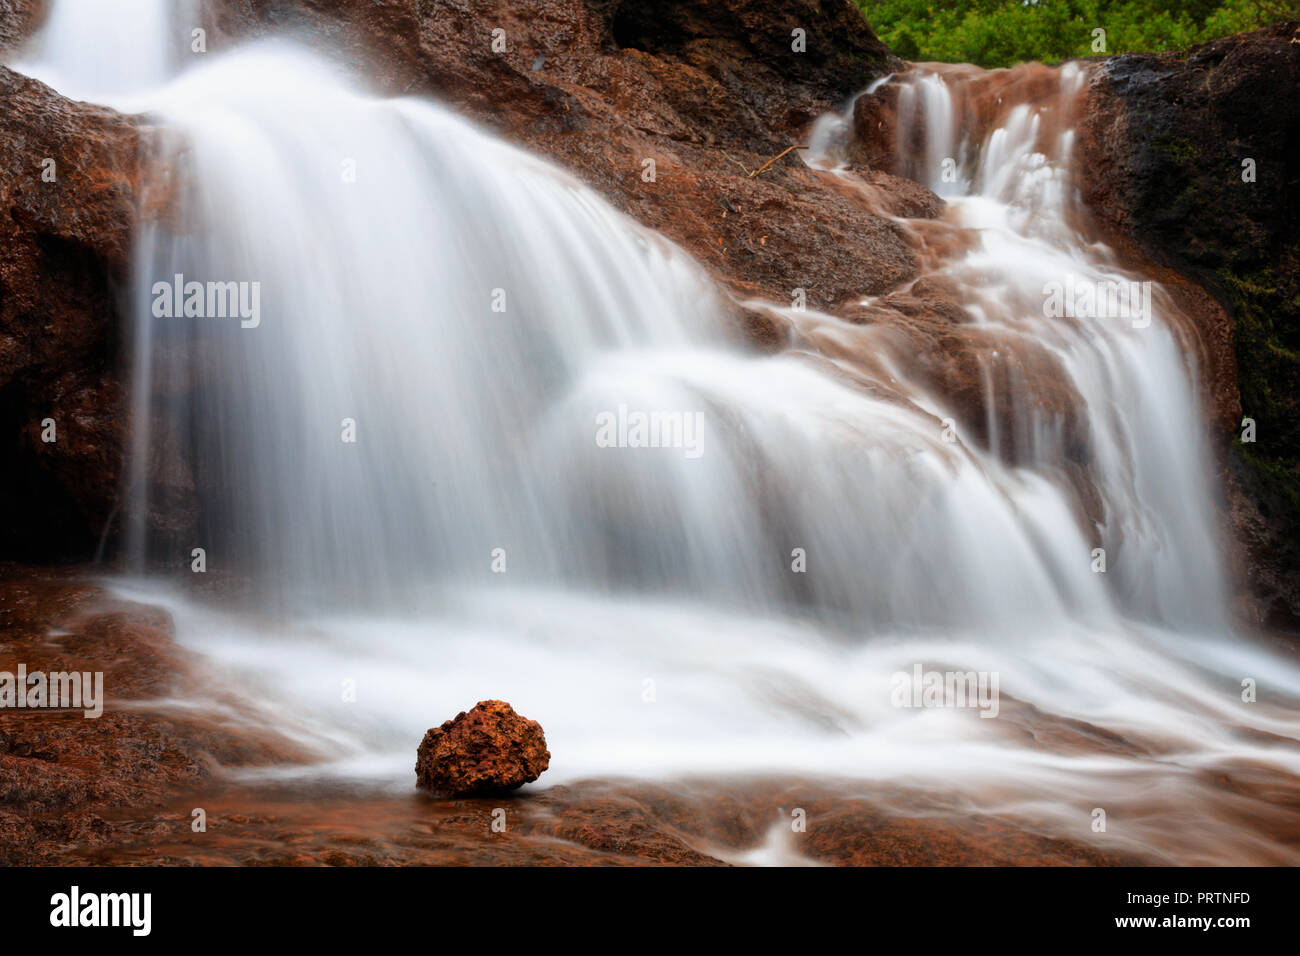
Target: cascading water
x=96 y=49
x=470 y=314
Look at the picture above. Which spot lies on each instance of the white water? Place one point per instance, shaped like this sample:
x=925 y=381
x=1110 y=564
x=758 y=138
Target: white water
x=96 y=49
x=476 y=430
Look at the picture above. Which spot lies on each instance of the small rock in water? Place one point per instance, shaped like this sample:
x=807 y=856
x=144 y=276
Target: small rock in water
x=487 y=750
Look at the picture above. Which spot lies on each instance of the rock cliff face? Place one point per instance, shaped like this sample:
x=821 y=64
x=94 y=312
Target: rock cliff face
x=1194 y=157
x=67 y=193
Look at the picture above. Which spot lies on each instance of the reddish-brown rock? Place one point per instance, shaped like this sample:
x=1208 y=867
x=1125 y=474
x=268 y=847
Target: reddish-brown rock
x=64 y=777
x=68 y=183
x=71 y=178
x=18 y=20
x=490 y=749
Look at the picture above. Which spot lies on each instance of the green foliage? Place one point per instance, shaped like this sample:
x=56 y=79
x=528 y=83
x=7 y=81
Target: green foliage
x=993 y=33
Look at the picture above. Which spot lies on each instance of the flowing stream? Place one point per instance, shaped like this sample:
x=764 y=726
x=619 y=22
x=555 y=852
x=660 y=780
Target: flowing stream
x=471 y=315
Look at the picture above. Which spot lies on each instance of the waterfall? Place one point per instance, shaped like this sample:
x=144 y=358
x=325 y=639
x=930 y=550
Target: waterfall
x=101 y=49
x=1009 y=183
x=405 y=340
x=466 y=306
x=384 y=237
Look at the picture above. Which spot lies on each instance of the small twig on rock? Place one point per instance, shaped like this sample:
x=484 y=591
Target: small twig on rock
x=743 y=167
x=773 y=160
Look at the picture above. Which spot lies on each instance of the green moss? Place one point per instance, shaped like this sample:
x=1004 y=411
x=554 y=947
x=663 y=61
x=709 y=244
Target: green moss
x=1184 y=151
x=1276 y=488
x=1266 y=320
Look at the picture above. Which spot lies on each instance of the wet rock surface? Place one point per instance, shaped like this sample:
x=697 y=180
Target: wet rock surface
x=18 y=20
x=62 y=774
x=122 y=789
x=602 y=823
x=68 y=185
x=488 y=749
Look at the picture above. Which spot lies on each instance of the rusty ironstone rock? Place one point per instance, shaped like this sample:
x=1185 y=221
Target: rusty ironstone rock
x=490 y=749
